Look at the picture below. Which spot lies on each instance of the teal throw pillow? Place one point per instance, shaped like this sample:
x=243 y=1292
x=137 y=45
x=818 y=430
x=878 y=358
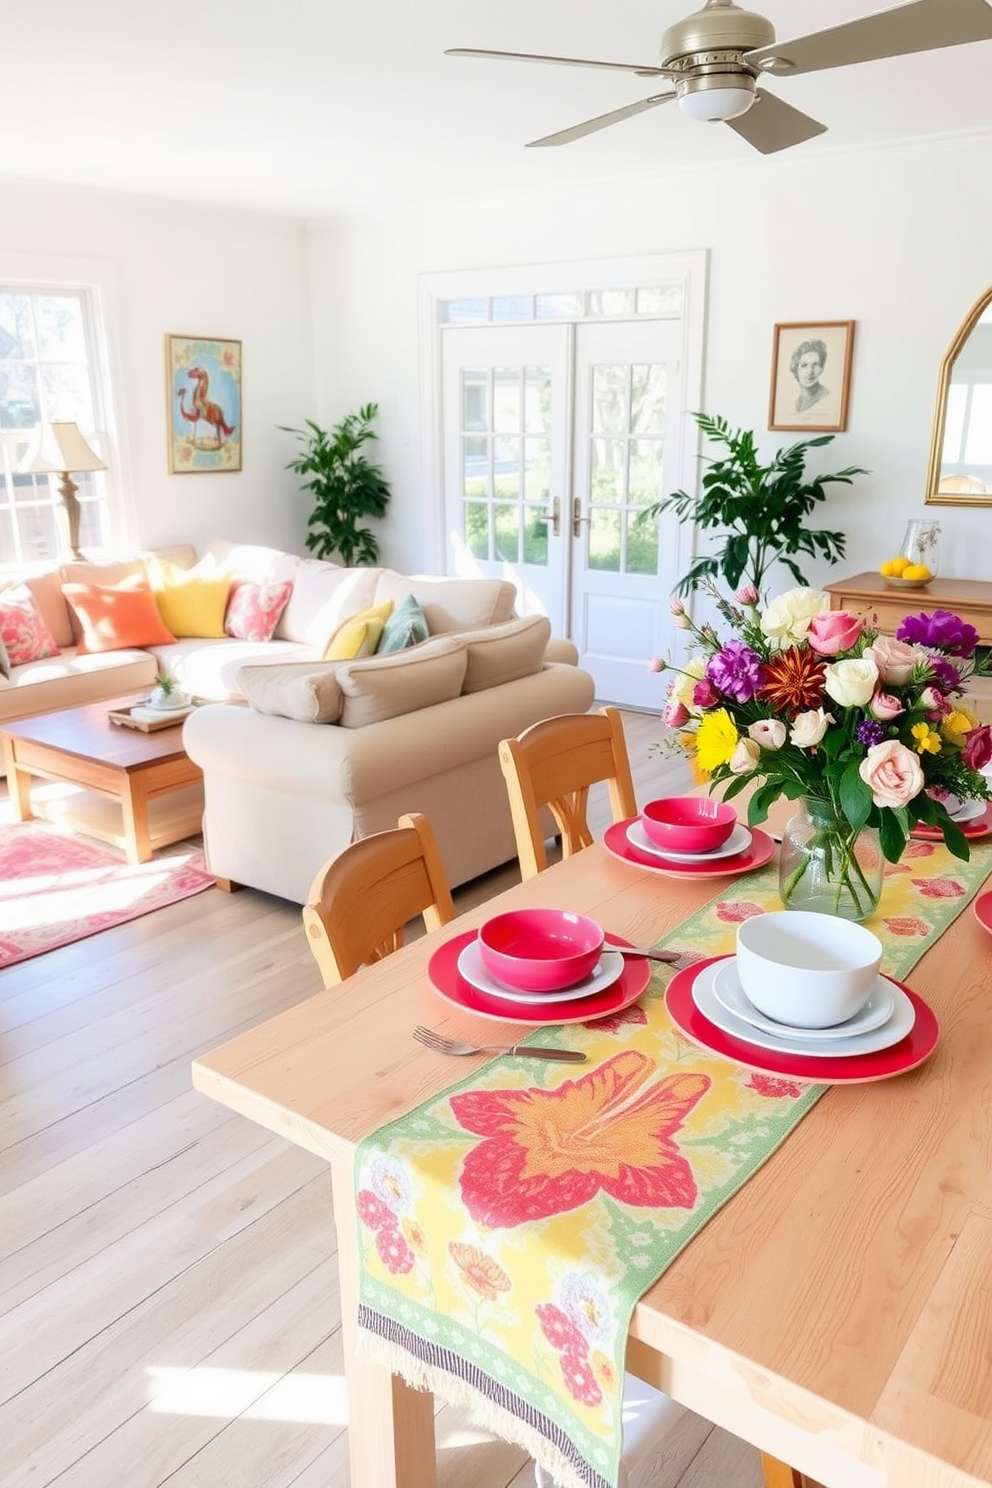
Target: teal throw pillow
x=406 y=626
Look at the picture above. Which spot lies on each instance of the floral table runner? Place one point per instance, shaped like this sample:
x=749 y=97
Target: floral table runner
x=508 y=1226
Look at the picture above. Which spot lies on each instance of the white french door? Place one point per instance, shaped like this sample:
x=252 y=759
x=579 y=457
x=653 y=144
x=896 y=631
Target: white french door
x=555 y=437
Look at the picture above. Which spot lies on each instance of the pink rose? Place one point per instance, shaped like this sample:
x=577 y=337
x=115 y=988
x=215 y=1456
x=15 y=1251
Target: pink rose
x=704 y=694
x=675 y=714
x=744 y=758
x=770 y=733
x=892 y=773
x=894 y=659
x=885 y=707
x=977 y=750
x=834 y=631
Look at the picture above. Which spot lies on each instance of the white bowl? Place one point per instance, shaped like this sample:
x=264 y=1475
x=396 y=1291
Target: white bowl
x=808 y=970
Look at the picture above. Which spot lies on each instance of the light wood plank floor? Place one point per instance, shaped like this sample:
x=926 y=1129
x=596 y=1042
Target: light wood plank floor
x=168 y=1288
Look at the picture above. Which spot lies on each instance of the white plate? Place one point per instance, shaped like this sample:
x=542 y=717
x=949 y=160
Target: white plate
x=969 y=811
x=738 y=841
x=901 y=1022
x=608 y=969
x=731 y=995
x=175 y=708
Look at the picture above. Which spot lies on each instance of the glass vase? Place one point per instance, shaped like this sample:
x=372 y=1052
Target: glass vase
x=827 y=867
x=921 y=543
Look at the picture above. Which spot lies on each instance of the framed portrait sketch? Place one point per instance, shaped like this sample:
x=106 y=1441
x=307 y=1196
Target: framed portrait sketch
x=203 y=387
x=811 y=375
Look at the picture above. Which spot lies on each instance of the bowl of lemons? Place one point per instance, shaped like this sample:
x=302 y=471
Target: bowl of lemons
x=899 y=573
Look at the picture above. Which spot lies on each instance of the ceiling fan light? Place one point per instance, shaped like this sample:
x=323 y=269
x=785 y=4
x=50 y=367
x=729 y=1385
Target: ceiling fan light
x=716 y=104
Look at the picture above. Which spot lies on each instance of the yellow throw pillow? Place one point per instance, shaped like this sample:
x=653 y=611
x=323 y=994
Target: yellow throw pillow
x=191 y=601
x=360 y=635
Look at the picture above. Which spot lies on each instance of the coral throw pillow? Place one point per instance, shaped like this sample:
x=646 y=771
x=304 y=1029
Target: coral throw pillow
x=24 y=634
x=253 y=610
x=191 y=601
x=114 y=617
x=360 y=635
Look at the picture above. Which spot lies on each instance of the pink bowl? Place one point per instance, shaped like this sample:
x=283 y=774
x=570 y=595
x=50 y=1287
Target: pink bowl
x=540 y=950
x=689 y=824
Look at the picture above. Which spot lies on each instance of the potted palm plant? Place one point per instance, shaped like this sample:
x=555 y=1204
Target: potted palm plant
x=345 y=486
x=763 y=509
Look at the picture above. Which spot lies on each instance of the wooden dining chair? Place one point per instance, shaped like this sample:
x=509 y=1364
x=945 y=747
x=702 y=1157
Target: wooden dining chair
x=553 y=764
x=360 y=901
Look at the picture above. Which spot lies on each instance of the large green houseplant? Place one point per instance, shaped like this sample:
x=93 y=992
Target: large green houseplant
x=345 y=485
x=763 y=510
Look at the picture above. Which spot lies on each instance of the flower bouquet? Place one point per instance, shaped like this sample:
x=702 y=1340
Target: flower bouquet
x=870 y=731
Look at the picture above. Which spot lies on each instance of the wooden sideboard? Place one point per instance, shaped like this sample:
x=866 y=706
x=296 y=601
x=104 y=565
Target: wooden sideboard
x=868 y=594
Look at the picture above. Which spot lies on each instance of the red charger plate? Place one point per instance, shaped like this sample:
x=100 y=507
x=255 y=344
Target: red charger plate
x=851 y=1069
x=755 y=856
x=983 y=911
x=448 y=982
x=980 y=827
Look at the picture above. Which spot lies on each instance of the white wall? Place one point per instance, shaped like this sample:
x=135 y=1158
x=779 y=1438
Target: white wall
x=164 y=267
x=894 y=239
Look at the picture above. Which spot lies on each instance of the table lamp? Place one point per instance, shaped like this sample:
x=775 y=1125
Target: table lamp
x=56 y=448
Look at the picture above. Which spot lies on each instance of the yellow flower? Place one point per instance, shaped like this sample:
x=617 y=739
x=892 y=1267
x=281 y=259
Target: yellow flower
x=716 y=740
x=957 y=724
x=927 y=739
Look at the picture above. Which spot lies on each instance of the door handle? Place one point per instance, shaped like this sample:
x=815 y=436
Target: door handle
x=577 y=517
x=554 y=518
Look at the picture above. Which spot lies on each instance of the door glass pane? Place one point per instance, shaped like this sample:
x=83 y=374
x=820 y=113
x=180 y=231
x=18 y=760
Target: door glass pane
x=642 y=545
x=506 y=470
x=647 y=399
x=513 y=307
x=537 y=469
x=611 y=302
x=476 y=532
x=662 y=299
x=604 y=540
x=536 y=535
x=537 y=400
x=558 y=307
x=644 y=481
x=475 y=465
x=606 y=462
x=506 y=400
x=507 y=522
x=610 y=392
x=475 y=404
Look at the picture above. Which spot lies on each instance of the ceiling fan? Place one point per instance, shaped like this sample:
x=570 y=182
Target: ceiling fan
x=715 y=56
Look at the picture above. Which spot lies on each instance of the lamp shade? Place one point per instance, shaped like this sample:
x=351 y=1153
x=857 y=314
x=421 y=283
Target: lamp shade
x=57 y=447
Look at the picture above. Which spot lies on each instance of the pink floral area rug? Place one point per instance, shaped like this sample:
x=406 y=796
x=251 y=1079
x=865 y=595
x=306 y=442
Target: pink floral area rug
x=56 y=887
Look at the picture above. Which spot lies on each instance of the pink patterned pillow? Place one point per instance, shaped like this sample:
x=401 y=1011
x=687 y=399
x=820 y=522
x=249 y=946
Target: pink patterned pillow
x=253 y=610
x=24 y=633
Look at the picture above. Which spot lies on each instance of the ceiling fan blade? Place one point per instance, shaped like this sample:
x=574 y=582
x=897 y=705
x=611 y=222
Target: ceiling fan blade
x=771 y=125
x=923 y=26
x=602 y=121
x=641 y=69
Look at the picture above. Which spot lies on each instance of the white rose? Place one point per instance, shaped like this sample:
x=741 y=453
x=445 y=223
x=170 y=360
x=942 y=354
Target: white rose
x=787 y=618
x=809 y=728
x=685 y=684
x=851 y=683
x=744 y=758
x=770 y=733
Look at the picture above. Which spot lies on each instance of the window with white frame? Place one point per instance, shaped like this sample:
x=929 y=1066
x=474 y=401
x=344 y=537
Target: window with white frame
x=49 y=369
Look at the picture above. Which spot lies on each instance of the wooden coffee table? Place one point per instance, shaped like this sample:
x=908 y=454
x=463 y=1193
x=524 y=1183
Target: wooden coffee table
x=147 y=791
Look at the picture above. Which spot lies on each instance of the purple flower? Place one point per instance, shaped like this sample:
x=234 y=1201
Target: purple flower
x=947 y=632
x=946 y=674
x=736 y=670
x=870 y=733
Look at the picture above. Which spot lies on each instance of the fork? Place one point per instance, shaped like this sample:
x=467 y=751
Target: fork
x=442 y=1045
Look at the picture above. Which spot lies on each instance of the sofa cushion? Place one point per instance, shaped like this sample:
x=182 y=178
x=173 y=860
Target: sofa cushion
x=47 y=590
x=359 y=636
x=251 y=561
x=302 y=690
x=324 y=596
x=191 y=601
x=451 y=605
x=253 y=610
x=208 y=669
x=23 y=631
x=116 y=617
x=502 y=653
x=401 y=682
x=4 y=661
x=406 y=626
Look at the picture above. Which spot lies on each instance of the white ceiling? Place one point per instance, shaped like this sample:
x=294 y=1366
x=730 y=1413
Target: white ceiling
x=322 y=107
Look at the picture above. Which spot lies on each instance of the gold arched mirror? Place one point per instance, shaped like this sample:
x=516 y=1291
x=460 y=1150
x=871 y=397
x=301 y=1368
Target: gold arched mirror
x=960 y=471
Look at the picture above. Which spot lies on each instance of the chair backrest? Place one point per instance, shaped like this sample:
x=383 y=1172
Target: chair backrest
x=553 y=764
x=361 y=900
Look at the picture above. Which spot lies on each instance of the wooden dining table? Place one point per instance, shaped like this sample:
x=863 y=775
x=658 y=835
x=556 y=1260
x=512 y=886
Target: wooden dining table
x=836 y=1312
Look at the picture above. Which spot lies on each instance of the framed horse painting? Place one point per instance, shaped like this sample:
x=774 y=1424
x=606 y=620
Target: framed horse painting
x=203 y=386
